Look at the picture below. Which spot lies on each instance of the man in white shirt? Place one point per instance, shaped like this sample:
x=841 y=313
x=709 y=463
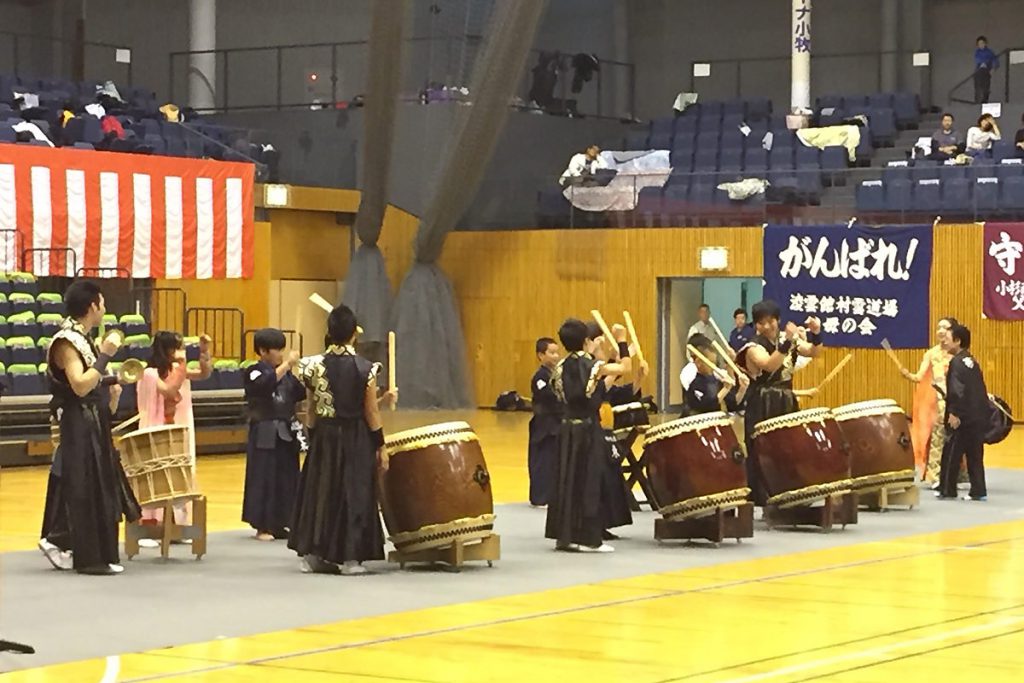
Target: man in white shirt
x=703 y=324
x=582 y=166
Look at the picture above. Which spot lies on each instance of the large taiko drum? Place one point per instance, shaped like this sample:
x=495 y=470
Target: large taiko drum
x=158 y=463
x=802 y=457
x=437 y=488
x=877 y=435
x=695 y=465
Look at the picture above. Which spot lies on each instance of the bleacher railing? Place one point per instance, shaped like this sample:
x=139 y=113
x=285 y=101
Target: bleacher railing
x=164 y=307
x=50 y=260
x=293 y=341
x=33 y=55
x=842 y=72
x=10 y=241
x=1005 y=77
x=332 y=75
x=225 y=325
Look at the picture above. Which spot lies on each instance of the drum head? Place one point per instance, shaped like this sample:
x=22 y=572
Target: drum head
x=421 y=437
x=154 y=430
x=666 y=430
x=793 y=420
x=852 y=411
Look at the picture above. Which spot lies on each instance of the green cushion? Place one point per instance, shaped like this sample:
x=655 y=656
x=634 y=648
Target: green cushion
x=49 y=318
x=50 y=297
x=138 y=340
x=191 y=341
x=225 y=364
x=3 y=368
x=3 y=343
x=132 y=318
x=22 y=277
x=21 y=297
x=42 y=368
x=44 y=342
x=248 y=363
x=3 y=319
x=23 y=317
x=23 y=369
x=21 y=342
x=193 y=365
x=3 y=297
x=110 y=319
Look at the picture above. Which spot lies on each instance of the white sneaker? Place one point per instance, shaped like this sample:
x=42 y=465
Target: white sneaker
x=354 y=569
x=304 y=565
x=935 y=486
x=603 y=548
x=58 y=558
x=149 y=543
x=115 y=568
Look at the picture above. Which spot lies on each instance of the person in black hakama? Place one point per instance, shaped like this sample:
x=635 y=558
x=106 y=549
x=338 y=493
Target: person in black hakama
x=575 y=518
x=967 y=416
x=542 y=455
x=275 y=437
x=336 y=520
x=87 y=492
x=771 y=389
x=713 y=389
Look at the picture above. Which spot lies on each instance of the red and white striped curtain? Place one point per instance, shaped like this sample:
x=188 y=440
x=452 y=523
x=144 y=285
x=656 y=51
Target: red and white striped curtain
x=149 y=216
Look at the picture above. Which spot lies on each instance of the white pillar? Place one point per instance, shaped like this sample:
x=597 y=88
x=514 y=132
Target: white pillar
x=800 y=45
x=889 y=45
x=202 y=72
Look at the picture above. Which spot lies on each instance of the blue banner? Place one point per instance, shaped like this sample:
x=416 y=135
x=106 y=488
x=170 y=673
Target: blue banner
x=864 y=283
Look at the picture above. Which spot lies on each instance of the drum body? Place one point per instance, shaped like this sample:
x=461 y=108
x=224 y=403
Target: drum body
x=437 y=488
x=628 y=417
x=158 y=463
x=802 y=457
x=695 y=465
x=877 y=435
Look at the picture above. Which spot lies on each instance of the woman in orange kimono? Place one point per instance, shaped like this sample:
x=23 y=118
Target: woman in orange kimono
x=927 y=431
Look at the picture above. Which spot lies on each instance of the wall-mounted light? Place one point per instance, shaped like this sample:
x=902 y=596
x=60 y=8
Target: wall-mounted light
x=275 y=196
x=714 y=258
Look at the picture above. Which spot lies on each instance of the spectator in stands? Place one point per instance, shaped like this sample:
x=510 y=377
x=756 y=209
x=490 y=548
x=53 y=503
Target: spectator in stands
x=583 y=167
x=980 y=137
x=742 y=333
x=985 y=61
x=1018 y=139
x=703 y=324
x=946 y=143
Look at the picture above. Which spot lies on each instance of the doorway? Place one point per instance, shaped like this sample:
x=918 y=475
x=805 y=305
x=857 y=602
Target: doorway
x=678 y=299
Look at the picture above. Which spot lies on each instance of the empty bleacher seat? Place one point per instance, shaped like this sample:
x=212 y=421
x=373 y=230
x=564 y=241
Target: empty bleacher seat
x=883 y=126
x=755 y=161
x=834 y=162
x=23 y=350
x=49 y=324
x=25 y=379
x=137 y=346
x=1009 y=168
x=731 y=159
x=956 y=196
x=229 y=374
x=660 y=141
x=986 y=195
x=781 y=157
x=924 y=169
x=23 y=325
x=5 y=306
x=927 y=195
x=898 y=195
x=5 y=329
x=50 y=302
x=211 y=382
x=5 y=353
x=1012 y=196
x=907 y=109
x=870 y=196
x=706 y=159
x=648 y=204
x=22 y=303
x=133 y=324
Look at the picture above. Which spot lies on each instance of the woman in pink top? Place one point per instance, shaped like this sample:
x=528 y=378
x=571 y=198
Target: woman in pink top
x=927 y=428
x=165 y=397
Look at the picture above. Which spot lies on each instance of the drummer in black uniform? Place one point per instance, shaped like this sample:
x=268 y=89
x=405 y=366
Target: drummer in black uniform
x=542 y=457
x=967 y=416
x=771 y=389
x=714 y=388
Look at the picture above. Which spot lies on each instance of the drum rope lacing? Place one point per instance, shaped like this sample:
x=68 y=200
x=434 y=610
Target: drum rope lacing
x=435 y=534
x=695 y=423
x=157 y=464
x=881 y=480
x=810 y=494
x=694 y=506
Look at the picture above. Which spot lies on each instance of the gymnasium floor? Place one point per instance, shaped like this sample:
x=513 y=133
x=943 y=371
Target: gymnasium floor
x=933 y=594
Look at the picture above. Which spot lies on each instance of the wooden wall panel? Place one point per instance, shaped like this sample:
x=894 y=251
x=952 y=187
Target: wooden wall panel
x=308 y=245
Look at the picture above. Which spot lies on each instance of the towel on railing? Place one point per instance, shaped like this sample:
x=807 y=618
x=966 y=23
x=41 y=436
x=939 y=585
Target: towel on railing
x=829 y=136
x=744 y=189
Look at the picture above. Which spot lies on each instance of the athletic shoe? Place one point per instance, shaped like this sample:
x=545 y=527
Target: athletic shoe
x=977 y=498
x=149 y=543
x=58 y=558
x=603 y=548
x=354 y=569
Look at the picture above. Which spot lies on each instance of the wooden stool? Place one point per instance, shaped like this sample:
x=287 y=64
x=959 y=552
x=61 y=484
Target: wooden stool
x=838 y=509
x=891 y=497
x=169 y=530
x=454 y=555
x=735 y=523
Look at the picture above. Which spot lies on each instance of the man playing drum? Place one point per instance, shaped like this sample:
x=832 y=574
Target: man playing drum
x=771 y=389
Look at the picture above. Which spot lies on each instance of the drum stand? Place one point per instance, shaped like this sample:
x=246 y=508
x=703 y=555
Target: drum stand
x=838 y=509
x=634 y=470
x=735 y=523
x=891 y=497
x=454 y=555
x=169 y=530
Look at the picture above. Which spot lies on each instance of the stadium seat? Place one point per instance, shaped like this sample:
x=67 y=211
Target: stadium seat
x=896 y=170
x=1012 y=197
x=110 y=322
x=898 y=195
x=808 y=157
x=732 y=137
x=883 y=126
x=5 y=353
x=25 y=379
x=1009 y=168
x=870 y=196
x=660 y=141
x=675 y=202
x=927 y=196
x=229 y=374
x=755 y=161
x=49 y=302
x=5 y=284
x=781 y=158
x=986 y=195
x=635 y=140
x=1003 y=149
x=22 y=303
x=648 y=205
x=5 y=306
x=5 y=329
x=706 y=159
x=23 y=325
x=663 y=126
x=23 y=283
x=23 y=350
x=907 y=108
x=880 y=100
x=210 y=383
x=708 y=139
x=686 y=123
x=681 y=160
x=834 y=163
x=137 y=346
x=731 y=159
x=49 y=324
x=133 y=325
x=924 y=169
x=191 y=349
x=956 y=196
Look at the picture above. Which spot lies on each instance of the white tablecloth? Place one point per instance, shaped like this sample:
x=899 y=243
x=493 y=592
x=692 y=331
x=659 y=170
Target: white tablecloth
x=636 y=170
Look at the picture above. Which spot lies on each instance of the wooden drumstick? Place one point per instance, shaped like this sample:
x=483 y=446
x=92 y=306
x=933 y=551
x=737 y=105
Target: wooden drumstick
x=718 y=329
x=321 y=302
x=892 y=354
x=632 y=335
x=604 y=328
x=725 y=354
x=127 y=423
x=835 y=371
x=392 y=368
x=701 y=357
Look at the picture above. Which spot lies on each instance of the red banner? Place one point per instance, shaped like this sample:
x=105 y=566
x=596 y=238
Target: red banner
x=1004 y=271
x=149 y=216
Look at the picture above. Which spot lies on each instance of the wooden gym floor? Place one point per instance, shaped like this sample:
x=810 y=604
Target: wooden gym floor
x=932 y=607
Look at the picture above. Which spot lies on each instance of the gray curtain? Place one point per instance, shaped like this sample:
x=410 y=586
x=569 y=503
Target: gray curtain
x=431 y=352
x=367 y=290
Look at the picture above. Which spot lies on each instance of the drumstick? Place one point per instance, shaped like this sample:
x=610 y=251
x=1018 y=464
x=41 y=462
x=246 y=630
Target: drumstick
x=994 y=402
x=835 y=371
x=604 y=327
x=632 y=335
x=701 y=357
x=392 y=368
x=892 y=354
x=127 y=423
x=321 y=302
x=725 y=354
x=718 y=329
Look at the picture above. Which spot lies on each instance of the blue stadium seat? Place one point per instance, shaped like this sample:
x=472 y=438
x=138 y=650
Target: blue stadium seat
x=732 y=137
x=808 y=157
x=706 y=159
x=898 y=195
x=907 y=108
x=865 y=148
x=781 y=158
x=687 y=122
x=924 y=169
x=948 y=172
x=896 y=170
x=870 y=196
x=880 y=100
x=681 y=160
x=829 y=101
x=979 y=170
x=1012 y=198
x=883 y=126
x=927 y=195
x=664 y=126
x=708 y=138
x=675 y=201
x=731 y=159
x=685 y=139
x=1010 y=168
x=26 y=380
x=834 y=161
x=660 y=141
x=855 y=104
x=956 y=196
x=649 y=205
x=755 y=161
x=710 y=111
x=635 y=139
x=23 y=351
x=986 y=195
x=1003 y=149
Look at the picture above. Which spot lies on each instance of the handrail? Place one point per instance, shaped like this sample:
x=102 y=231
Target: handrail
x=261 y=168
x=1004 y=55
x=59 y=39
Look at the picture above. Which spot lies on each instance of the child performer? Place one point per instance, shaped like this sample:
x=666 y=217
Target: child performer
x=542 y=458
x=575 y=518
x=275 y=437
x=713 y=389
x=336 y=520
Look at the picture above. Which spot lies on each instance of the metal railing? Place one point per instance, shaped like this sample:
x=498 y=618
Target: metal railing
x=225 y=325
x=62 y=58
x=1000 y=84
x=293 y=341
x=163 y=307
x=49 y=260
x=332 y=75
x=10 y=240
x=857 y=72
